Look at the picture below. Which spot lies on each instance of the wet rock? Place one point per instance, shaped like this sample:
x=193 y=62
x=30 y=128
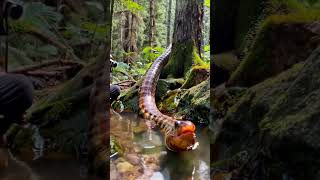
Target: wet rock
x=125 y=167
x=152 y=137
x=157 y=176
x=134 y=159
x=169 y=103
x=164 y=85
x=140 y=128
x=195 y=76
x=222 y=67
x=222 y=98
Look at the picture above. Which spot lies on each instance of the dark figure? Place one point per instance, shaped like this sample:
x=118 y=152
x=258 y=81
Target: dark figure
x=16 y=96
x=114 y=92
x=114 y=89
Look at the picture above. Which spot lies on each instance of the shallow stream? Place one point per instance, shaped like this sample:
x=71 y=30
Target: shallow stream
x=142 y=153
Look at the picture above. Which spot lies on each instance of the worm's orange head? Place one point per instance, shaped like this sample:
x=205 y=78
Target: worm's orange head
x=184 y=138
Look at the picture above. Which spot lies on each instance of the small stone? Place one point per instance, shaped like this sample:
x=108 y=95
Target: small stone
x=125 y=167
x=133 y=159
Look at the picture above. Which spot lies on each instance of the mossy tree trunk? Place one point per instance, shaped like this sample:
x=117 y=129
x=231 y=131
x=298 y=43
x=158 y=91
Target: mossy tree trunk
x=187 y=35
x=100 y=105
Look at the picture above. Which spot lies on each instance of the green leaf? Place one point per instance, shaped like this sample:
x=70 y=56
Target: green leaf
x=121 y=67
x=207 y=3
x=132 y=6
x=150 y=54
x=207 y=48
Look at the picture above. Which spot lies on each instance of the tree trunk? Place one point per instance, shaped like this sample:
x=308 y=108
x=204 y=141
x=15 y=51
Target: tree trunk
x=187 y=35
x=152 y=40
x=169 y=23
x=100 y=105
x=129 y=34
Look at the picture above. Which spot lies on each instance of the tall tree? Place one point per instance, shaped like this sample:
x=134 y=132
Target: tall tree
x=169 y=23
x=100 y=105
x=152 y=32
x=129 y=32
x=187 y=37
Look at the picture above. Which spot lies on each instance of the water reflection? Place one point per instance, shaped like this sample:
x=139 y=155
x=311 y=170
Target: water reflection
x=144 y=143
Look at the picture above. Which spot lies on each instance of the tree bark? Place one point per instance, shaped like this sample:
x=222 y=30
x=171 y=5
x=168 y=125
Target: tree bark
x=169 y=23
x=129 y=34
x=187 y=35
x=152 y=32
x=100 y=106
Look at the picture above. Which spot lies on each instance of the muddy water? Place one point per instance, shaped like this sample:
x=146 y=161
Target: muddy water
x=143 y=154
x=42 y=166
x=53 y=167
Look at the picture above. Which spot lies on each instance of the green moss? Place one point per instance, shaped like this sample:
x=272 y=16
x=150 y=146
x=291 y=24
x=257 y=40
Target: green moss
x=181 y=58
x=197 y=60
x=195 y=75
x=169 y=103
x=234 y=161
x=282 y=77
x=58 y=110
x=257 y=65
x=302 y=17
x=47 y=111
x=115 y=146
x=256 y=62
x=130 y=97
x=195 y=103
x=280 y=128
x=292 y=6
x=23 y=140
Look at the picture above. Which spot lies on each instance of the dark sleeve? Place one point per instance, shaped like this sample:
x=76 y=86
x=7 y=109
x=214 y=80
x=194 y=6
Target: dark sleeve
x=16 y=95
x=114 y=92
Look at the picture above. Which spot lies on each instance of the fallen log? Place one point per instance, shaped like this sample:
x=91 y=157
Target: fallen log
x=25 y=69
x=44 y=73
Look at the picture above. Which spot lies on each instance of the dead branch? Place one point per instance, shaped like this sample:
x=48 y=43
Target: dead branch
x=25 y=69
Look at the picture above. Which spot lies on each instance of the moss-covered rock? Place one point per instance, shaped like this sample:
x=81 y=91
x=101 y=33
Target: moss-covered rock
x=226 y=60
x=276 y=122
x=194 y=104
x=196 y=75
x=62 y=117
x=169 y=102
x=222 y=98
x=283 y=40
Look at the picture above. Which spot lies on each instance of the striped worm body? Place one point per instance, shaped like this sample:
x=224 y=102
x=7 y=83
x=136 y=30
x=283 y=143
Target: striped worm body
x=179 y=135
